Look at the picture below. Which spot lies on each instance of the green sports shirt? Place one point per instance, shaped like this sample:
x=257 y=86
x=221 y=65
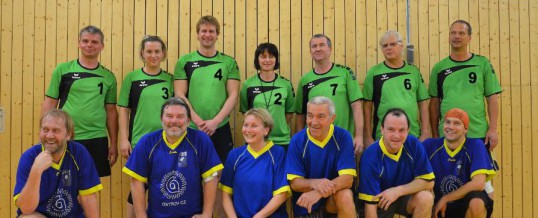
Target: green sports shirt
x=276 y=96
x=390 y=88
x=207 y=77
x=144 y=95
x=83 y=93
x=339 y=84
x=464 y=84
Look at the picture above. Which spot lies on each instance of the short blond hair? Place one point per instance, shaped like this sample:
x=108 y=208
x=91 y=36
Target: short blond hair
x=264 y=116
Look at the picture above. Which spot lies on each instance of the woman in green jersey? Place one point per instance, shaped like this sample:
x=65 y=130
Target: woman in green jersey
x=142 y=93
x=270 y=91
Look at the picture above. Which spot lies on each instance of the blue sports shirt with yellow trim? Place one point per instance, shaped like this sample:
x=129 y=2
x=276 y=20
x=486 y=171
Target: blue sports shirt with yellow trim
x=61 y=183
x=174 y=172
x=313 y=159
x=381 y=170
x=454 y=169
x=253 y=178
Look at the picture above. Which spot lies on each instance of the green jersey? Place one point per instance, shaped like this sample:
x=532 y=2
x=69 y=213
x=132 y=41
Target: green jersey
x=144 y=94
x=390 y=88
x=464 y=84
x=277 y=97
x=339 y=84
x=83 y=93
x=207 y=77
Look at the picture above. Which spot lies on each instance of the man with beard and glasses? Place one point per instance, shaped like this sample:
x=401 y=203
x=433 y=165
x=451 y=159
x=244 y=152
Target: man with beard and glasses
x=178 y=165
x=57 y=178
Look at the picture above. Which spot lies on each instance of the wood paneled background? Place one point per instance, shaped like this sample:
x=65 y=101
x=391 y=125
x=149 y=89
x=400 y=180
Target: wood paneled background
x=36 y=35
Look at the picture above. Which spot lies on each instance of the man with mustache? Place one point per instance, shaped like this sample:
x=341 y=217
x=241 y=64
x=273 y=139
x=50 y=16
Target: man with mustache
x=178 y=165
x=57 y=178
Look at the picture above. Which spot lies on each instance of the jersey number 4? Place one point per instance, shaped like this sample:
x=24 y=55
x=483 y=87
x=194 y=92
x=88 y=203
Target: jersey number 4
x=218 y=74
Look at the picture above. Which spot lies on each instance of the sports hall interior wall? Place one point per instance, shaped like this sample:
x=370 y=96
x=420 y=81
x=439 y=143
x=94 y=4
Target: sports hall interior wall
x=37 y=35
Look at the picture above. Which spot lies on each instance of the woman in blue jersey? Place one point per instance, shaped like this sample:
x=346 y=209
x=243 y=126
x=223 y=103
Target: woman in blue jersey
x=253 y=180
x=270 y=91
x=142 y=93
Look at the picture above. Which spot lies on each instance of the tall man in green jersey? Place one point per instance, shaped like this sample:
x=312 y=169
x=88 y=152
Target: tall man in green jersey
x=87 y=91
x=336 y=82
x=208 y=81
x=394 y=83
x=462 y=80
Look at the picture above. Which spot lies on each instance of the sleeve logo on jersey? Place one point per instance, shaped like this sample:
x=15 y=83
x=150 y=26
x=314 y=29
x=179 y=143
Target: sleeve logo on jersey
x=60 y=204
x=173 y=185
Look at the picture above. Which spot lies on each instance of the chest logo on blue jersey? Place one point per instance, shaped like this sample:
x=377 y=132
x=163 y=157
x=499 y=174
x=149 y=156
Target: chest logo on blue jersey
x=60 y=204
x=173 y=185
x=450 y=183
x=66 y=177
x=182 y=160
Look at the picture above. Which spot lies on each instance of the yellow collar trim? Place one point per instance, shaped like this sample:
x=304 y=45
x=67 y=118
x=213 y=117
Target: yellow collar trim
x=453 y=153
x=173 y=146
x=395 y=157
x=265 y=148
x=57 y=165
x=321 y=144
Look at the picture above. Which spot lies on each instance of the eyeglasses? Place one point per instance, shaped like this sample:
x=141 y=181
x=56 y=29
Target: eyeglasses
x=392 y=45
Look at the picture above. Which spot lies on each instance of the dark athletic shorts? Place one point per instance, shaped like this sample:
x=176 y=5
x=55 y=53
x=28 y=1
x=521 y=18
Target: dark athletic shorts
x=222 y=139
x=98 y=149
x=459 y=207
x=397 y=207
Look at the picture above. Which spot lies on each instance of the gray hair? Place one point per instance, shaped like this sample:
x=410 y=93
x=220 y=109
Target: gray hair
x=319 y=35
x=319 y=100
x=387 y=36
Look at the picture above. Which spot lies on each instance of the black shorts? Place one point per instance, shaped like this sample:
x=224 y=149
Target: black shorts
x=397 y=207
x=459 y=208
x=222 y=139
x=98 y=149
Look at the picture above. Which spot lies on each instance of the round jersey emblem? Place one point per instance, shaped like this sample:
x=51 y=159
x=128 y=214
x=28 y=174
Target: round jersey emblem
x=173 y=185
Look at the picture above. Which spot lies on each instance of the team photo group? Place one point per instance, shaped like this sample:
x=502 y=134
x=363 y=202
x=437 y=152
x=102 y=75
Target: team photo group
x=394 y=146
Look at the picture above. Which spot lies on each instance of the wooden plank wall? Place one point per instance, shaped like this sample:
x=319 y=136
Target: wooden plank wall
x=37 y=35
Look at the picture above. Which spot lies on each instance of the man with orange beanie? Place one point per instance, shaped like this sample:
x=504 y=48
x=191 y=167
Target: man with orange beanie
x=461 y=167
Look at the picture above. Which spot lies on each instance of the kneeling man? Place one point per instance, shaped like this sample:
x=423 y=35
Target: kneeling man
x=462 y=167
x=395 y=174
x=321 y=165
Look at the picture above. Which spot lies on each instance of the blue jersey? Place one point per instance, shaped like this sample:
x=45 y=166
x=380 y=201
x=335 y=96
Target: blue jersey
x=454 y=169
x=381 y=170
x=174 y=172
x=253 y=178
x=61 y=183
x=312 y=159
